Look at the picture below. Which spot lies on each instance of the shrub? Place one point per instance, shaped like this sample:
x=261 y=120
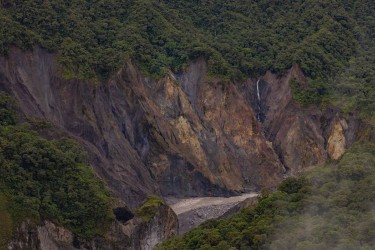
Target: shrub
x=149 y=207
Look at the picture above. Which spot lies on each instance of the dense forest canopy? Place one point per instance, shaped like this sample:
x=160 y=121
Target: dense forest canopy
x=238 y=38
x=332 y=41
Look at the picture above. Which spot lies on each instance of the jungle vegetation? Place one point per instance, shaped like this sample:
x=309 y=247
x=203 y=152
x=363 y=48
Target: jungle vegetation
x=332 y=41
x=46 y=180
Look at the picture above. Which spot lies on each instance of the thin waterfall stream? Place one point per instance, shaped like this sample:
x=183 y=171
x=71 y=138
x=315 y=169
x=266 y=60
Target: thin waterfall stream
x=258 y=95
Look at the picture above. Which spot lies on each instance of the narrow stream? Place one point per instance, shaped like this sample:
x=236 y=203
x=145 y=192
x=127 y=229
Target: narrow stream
x=258 y=95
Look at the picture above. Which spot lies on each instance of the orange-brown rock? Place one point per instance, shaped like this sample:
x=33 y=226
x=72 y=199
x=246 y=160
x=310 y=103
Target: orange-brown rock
x=301 y=136
x=182 y=135
x=336 y=140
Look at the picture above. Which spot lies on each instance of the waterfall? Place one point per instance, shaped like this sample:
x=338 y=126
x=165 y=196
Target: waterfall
x=258 y=95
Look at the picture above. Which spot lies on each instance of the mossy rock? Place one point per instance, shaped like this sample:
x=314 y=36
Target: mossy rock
x=149 y=207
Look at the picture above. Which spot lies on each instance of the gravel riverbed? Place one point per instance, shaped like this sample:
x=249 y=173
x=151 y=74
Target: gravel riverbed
x=192 y=212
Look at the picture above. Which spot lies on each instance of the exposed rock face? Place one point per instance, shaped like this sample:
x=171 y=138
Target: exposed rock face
x=25 y=237
x=86 y=113
x=183 y=135
x=163 y=226
x=134 y=234
x=336 y=140
x=53 y=237
x=296 y=133
x=188 y=137
x=301 y=136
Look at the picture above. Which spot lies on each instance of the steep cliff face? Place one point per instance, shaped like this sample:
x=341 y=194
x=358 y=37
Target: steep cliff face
x=133 y=234
x=84 y=112
x=183 y=135
x=296 y=132
x=189 y=137
x=301 y=136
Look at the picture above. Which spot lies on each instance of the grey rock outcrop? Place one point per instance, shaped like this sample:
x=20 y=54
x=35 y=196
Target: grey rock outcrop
x=134 y=234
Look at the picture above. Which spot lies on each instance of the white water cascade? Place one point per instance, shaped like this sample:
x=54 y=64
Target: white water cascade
x=258 y=95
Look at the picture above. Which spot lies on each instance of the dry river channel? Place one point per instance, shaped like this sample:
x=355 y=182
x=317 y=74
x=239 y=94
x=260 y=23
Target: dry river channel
x=193 y=211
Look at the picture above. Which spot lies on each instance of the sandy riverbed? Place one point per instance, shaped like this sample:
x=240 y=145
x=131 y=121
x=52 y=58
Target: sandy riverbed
x=192 y=212
x=180 y=206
